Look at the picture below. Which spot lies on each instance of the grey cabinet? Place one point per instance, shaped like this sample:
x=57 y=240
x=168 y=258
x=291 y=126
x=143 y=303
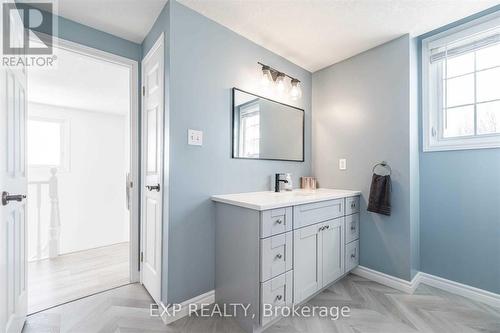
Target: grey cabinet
x=275 y=255
x=318 y=257
x=351 y=227
x=283 y=255
x=316 y=212
x=332 y=244
x=307 y=259
x=351 y=255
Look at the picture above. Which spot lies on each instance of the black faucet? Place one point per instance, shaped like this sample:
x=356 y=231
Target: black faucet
x=277 y=181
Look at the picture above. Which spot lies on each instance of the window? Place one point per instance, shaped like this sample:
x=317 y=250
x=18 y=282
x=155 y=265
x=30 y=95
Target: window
x=250 y=130
x=461 y=87
x=47 y=143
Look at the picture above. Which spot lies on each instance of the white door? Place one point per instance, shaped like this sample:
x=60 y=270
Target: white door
x=332 y=243
x=307 y=260
x=13 y=186
x=152 y=156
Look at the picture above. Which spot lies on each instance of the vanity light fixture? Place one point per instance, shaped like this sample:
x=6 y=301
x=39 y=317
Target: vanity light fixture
x=270 y=75
x=280 y=82
x=267 y=77
x=295 y=91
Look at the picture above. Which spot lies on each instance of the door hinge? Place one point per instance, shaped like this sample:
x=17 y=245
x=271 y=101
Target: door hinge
x=143 y=90
x=142 y=256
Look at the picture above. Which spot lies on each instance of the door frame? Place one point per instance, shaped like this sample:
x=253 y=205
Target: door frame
x=134 y=194
x=160 y=42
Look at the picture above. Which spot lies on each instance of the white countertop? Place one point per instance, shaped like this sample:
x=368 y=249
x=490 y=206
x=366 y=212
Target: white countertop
x=270 y=200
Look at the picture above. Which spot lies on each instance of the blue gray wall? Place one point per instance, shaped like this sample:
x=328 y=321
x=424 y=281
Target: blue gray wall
x=206 y=61
x=363 y=112
x=460 y=210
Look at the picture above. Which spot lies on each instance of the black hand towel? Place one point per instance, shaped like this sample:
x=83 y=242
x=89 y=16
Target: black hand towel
x=380 y=195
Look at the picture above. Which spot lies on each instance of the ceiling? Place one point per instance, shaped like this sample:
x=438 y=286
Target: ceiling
x=317 y=33
x=81 y=82
x=128 y=19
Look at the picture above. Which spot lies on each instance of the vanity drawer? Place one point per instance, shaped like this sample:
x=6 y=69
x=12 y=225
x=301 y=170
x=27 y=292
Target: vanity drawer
x=275 y=255
x=304 y=215
x=351 y=227
x=351 y=255
x=275 y=292
x=351 y=205
x=275 y=221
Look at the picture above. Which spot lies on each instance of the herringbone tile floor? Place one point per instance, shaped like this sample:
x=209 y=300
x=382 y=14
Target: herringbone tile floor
x=374 y=308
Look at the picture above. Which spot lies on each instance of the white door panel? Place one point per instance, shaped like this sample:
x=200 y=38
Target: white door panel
x=13 y=293
x=152 y=157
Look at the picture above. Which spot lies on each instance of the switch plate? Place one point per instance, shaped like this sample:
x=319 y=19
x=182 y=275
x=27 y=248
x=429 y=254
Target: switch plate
x=342 y=164
x=195 y=138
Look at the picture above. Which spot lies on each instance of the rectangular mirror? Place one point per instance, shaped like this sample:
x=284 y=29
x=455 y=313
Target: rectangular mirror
x=265 y=129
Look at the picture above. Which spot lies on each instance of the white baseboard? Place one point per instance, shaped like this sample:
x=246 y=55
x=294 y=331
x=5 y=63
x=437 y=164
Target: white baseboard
x=387 y=280
x=408 y=287
x=453 y=287
x=464 y=290
x=201 y=300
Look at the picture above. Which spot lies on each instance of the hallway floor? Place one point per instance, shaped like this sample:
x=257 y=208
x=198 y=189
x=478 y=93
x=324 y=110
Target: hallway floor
x=374 y=308
x=74 y=275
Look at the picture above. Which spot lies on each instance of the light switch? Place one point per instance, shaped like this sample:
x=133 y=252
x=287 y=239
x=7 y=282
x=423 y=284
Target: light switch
x=342 y=164
x=195 y=138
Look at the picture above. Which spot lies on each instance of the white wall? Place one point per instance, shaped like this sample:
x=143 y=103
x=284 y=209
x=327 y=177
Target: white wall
x=92 y=192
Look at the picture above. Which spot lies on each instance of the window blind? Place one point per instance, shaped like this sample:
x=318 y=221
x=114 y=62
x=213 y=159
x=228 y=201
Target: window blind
x=458 y=48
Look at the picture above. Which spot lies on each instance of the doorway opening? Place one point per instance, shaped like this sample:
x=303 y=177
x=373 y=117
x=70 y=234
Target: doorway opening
x=82 y=226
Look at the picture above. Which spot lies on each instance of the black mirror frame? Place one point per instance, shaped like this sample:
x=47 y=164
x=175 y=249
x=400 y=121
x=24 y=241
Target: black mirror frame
x=234 y=89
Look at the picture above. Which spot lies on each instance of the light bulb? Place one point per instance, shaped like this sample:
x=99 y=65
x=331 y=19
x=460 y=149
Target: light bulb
x=295 y=91
x=267 y=77
x=280 y=82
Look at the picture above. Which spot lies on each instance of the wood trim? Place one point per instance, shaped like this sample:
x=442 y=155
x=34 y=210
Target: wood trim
x=450 y=286
x=134 y=115
x=388 y=280
x=201 y=301
x=160 y=42
x=464 y=290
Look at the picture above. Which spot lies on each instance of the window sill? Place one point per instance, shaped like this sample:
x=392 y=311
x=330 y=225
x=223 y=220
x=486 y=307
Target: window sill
x=462 y=145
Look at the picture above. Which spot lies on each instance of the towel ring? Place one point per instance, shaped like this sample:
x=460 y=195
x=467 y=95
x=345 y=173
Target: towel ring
x=383 y=164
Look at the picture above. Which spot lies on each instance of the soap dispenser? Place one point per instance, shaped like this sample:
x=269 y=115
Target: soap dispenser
x=288 y=185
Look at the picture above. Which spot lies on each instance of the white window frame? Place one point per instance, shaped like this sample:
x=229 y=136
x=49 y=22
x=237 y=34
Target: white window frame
x=432 y=130
x=246 y=112
x=64 y=166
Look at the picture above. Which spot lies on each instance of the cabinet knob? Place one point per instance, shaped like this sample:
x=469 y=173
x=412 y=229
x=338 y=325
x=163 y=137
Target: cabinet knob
x=353 y=255
x=279 y=297
x=353 y=204
x=279 y=256
x=353 y=227
x=279 y=221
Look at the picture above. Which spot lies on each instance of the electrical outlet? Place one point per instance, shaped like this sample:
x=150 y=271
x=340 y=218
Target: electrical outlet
x=342 y=164
x=195 y=138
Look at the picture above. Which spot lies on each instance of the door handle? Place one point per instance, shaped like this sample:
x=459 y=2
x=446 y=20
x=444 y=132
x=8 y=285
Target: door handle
x=6 y=197
x=153 y=187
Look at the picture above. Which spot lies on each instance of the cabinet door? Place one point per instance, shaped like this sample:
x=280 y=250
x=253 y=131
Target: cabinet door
x=351 y=255
x=333 y=250
x=306 y=262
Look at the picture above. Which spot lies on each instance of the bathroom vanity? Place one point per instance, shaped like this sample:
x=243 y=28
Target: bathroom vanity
x=282 y=248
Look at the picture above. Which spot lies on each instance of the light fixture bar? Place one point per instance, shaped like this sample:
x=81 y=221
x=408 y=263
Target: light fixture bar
x=275 y=72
